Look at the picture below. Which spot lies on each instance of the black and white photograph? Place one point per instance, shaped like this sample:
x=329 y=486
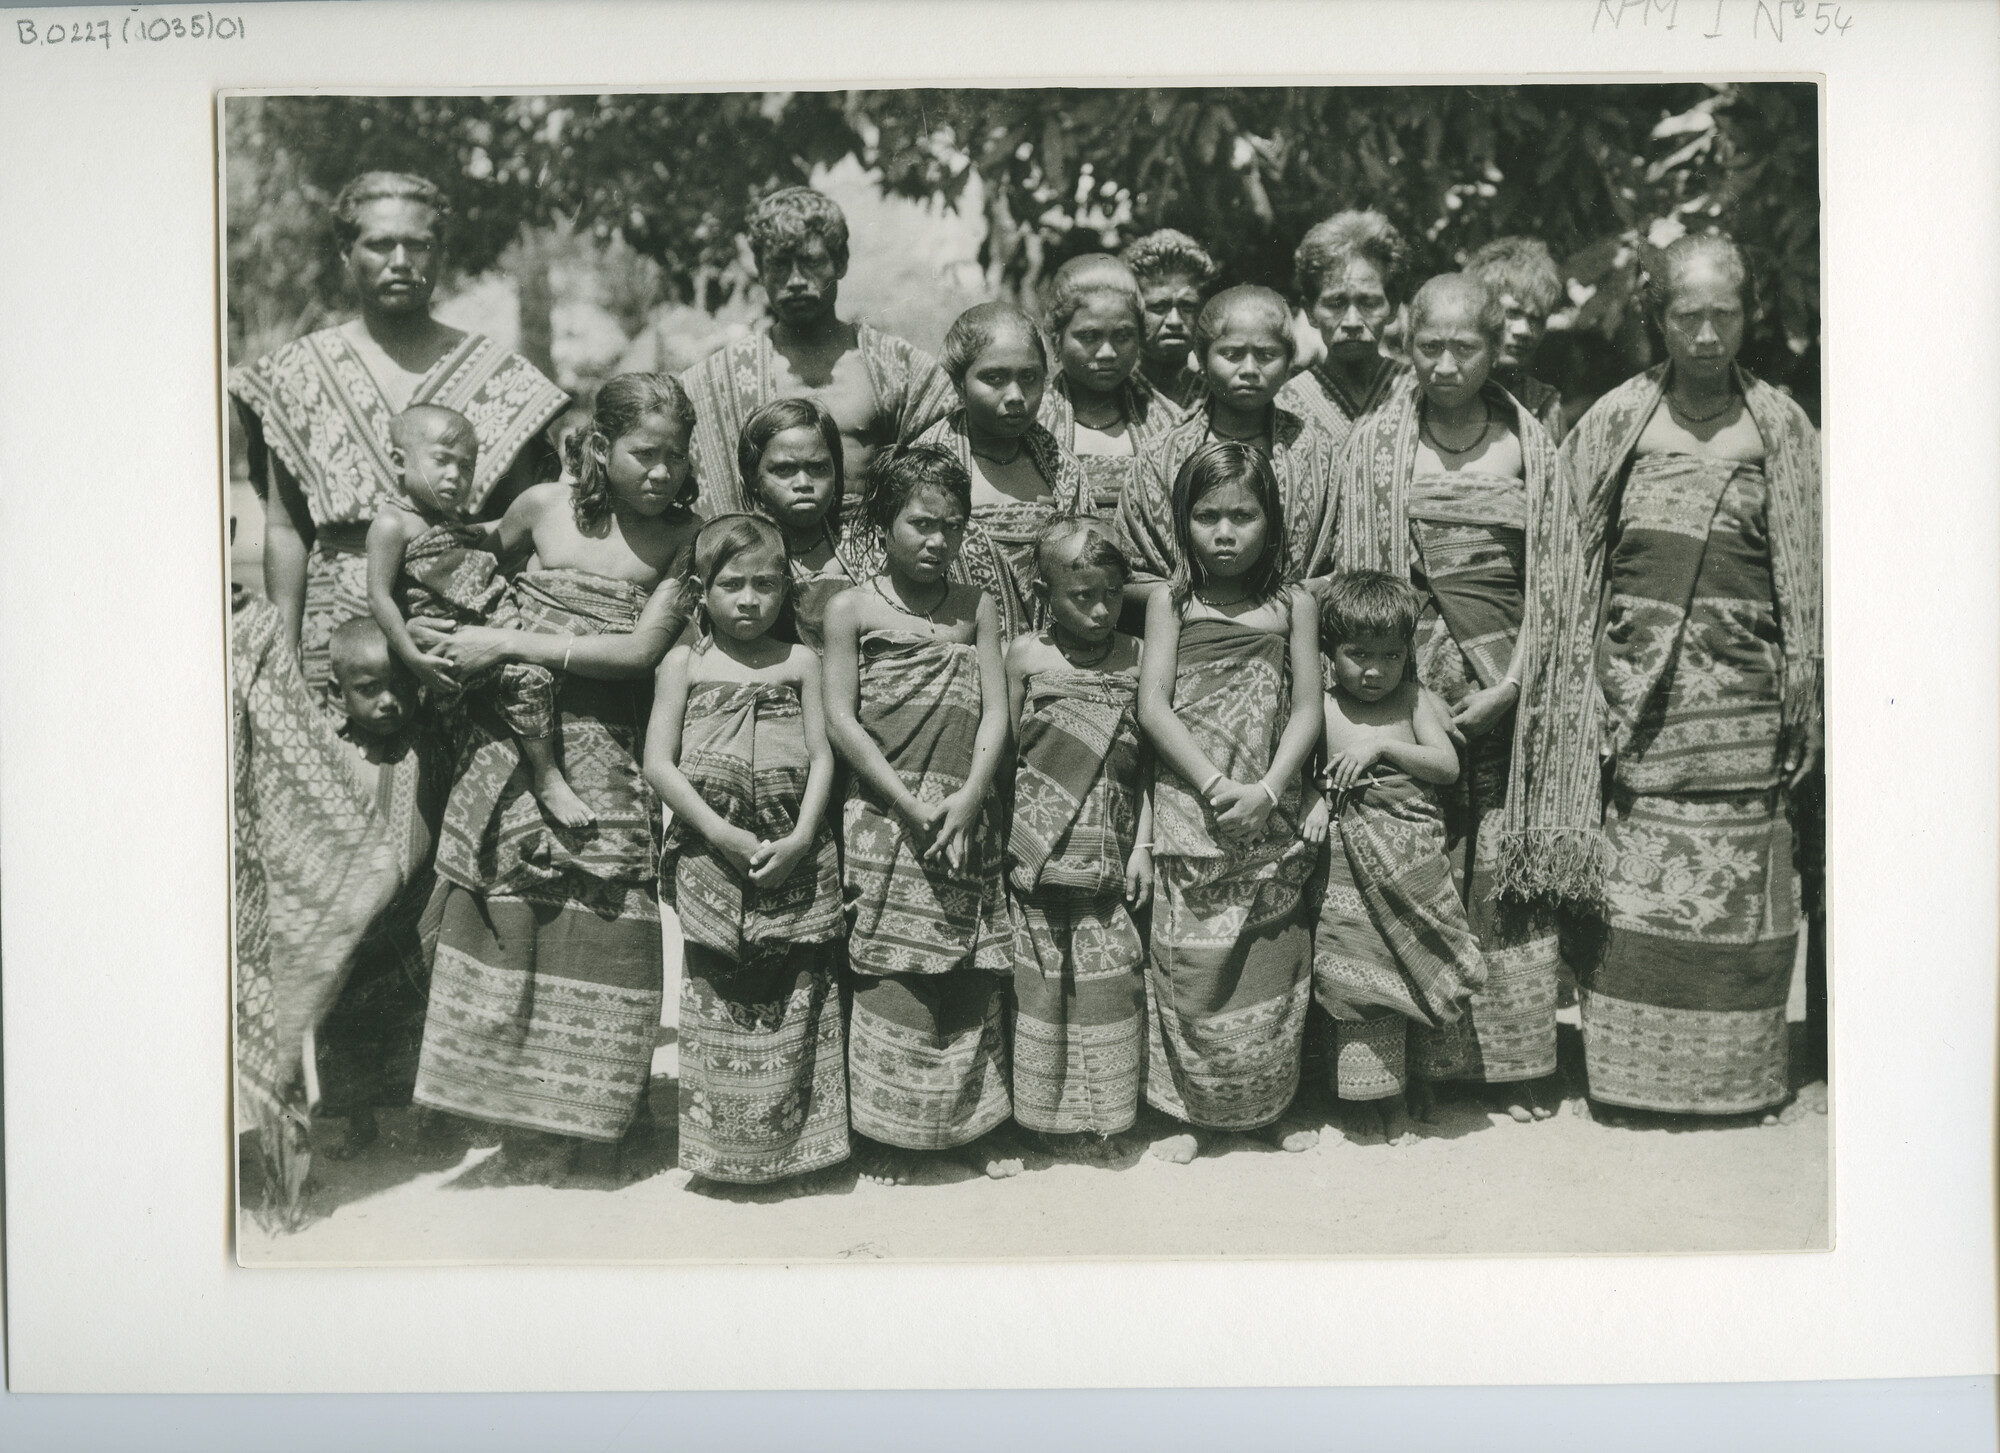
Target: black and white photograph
x=980 y=674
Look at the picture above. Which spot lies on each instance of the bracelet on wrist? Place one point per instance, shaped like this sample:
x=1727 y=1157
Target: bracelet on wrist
x=1268 y=792
x=1209 y=785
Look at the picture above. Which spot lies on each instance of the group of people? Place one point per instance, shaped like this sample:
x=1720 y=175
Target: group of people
x=1183 y=698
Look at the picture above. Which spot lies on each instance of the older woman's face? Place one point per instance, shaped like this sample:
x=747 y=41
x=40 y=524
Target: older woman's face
x=393 y=261
x=1703 y=321
x=1352 y=310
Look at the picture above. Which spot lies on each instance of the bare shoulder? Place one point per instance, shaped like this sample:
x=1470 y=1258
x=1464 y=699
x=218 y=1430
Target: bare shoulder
x=538 y=499
x=801 y=666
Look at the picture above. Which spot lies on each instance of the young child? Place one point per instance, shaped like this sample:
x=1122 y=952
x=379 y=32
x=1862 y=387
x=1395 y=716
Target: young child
x=1229 y=694
x=426 y=559
x=1021 y=477
x=916 y=703
x=1080 y=851
x=1393 y=946
x=368 y=1043
x=789 y=457
x=737 y=749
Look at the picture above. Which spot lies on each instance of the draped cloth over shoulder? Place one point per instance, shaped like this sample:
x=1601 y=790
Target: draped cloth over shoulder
x=1012 y=526
x=1393 y=947
x=1149 y=417
x=1320 y=395
x=763 y=1080
x=545 y=993
x=314 y=405
x=1230 y=973
x=737 y=379
x=1492 y=558
x=314 y=864
x=926 y=1053
x=1079 y=1035
x=1303 y=456
x=1704 y=579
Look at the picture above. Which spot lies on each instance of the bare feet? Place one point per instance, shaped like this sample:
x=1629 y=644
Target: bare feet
x=1293 y=1141
x=997 y=1155
x=560 y=803
x=1398 y=1128
x=1810 y=1100
x=1178 y=1149
x=1422 y=1100
x=884 y=1165
x=355 y=1136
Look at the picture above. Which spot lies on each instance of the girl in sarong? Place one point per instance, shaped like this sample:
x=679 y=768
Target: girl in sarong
x=1229 y=694
x=794 y=475
x=1393 y=949
x=545 y=992
x=1243 y=341
x=916 y=704
x=1452 y=485
x=1021 y=478
x=1700 y=495
x=737 y=749
x=1099 y=406
x=1080 y=851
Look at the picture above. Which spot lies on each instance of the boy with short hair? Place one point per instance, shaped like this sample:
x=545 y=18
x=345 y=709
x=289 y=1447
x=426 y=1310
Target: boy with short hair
x=1393 y=947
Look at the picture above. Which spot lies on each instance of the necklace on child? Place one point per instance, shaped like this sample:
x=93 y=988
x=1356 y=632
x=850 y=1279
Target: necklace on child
x=944 y=591
x=1097 y=660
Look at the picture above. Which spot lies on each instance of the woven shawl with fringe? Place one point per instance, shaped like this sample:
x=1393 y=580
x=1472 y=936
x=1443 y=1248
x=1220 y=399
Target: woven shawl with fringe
x=1550 y=841
x=1596 y=461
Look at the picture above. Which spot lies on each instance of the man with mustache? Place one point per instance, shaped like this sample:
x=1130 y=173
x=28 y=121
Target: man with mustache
x=882 y=391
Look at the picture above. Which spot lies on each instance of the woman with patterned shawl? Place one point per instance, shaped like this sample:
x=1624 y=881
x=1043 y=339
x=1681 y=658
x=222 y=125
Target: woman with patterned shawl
x=1080 y=852
x=545 y=991
x=314 y=865
x=916 y=704
x=1352 y=272
x=1099 y=406
x=1699 y=491
x=883 y=391
x=1021 y=478
x=316 y=412
x=1229 y=696
x=738 y=751
x=1453 y=486
x=1243 y=340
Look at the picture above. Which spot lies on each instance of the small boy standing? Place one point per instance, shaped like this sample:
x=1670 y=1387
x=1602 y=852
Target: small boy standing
x=1393 y=947
x=426 y=559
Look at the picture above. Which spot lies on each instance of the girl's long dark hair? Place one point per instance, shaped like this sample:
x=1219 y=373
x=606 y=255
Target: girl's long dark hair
x=1216 y=465
x=721 y=540
x=620 y=404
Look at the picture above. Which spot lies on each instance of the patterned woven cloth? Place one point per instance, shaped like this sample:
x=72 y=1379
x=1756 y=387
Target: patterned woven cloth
x=1079 y=1030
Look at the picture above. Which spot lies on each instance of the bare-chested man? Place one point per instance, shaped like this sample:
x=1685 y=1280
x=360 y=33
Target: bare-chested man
x=879 y=389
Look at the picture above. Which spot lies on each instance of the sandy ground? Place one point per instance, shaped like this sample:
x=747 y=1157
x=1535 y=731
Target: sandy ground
x=1568 y=1184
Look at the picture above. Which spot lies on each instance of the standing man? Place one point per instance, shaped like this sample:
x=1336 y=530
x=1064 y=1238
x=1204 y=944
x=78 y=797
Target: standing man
x=317 y=413
x=1520 y=272
x=882 y=391
x=1175 y=275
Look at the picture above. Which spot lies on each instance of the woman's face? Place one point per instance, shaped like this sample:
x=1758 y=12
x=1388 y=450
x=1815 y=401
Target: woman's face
x=393 y=261
x=795 y=478
x=744 y=598
x=926 y=535
x=1452 y=357
x=1100 y=346
x=1352 y=310
x=1703 y=321
x=1248 y=361
x=1227 y=529
x=647 y=466
x=1002 y=391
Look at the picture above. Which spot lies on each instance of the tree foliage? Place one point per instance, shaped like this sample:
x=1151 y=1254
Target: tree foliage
x=1602 y=173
